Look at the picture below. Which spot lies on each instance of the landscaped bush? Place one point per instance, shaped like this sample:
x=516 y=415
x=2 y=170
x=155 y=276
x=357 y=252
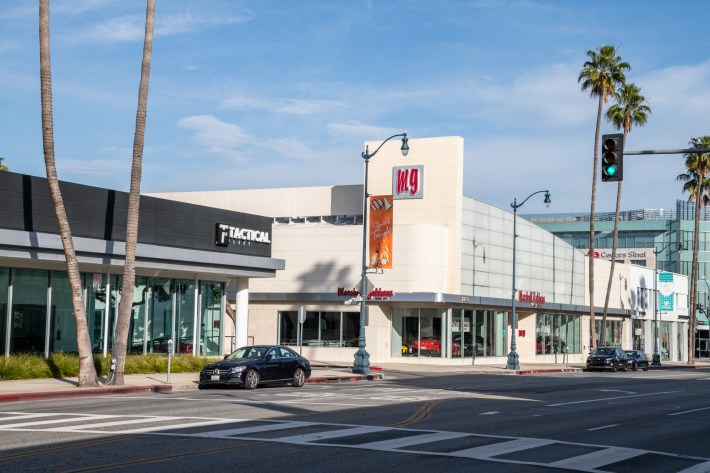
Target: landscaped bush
x=66 y=365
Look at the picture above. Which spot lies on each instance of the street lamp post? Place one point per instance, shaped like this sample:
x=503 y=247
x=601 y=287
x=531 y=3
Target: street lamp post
x=656 y=359
x=513 y=361
x=361 y=364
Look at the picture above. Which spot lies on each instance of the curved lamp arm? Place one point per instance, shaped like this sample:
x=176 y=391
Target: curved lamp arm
x=405 y=146
x=515 y=205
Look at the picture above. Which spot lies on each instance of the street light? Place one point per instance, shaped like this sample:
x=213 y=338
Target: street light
x=361 y=364
x=656 y=359
x=513 y=363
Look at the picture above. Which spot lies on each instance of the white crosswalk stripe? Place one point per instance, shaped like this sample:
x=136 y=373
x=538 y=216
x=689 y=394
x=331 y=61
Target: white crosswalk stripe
x=406 y=441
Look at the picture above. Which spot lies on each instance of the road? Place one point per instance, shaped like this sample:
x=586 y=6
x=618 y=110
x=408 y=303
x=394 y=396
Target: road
x=655 y=421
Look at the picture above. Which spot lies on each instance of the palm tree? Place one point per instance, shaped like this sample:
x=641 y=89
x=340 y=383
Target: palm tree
x=129 y=269
x=87 y=370
x=630 y=109
x=697 y=185
x=601 y=74
x=2 y=166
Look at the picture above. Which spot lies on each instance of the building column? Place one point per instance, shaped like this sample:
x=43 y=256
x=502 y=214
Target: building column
x=241 y=310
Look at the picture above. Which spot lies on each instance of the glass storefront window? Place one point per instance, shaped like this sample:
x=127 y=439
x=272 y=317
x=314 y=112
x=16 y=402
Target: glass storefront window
x=160 y=320
x=96 y=309
x=29 y=311
x=211 y=323
x=63 y=333
x=419 y=332
x=4 y=294
x=614 y=332
x=320 y=329
x=184 y=316
x=665 y=335
x=557 y=333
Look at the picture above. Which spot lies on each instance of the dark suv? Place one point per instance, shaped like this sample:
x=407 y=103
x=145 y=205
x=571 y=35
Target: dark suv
x=607 y=358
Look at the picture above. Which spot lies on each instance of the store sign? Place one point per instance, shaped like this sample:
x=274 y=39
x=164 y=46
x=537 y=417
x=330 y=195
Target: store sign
x=530 y=296
x=408 y=182
x=376 y=294
x=621 y=255
x=226 y=234
x=665 y=292
x=456 y=326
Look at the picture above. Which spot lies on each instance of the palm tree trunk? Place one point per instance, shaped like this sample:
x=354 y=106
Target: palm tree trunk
x=129 y=270
x=592 y=320
x=694 y=270
x=87 y=370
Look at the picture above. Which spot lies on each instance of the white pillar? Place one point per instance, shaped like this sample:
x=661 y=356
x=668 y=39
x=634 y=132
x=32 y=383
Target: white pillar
x=242 y=312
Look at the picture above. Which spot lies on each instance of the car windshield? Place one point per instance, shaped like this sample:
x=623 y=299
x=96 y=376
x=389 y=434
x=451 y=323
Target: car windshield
x=251 y=353
x=630 y=353
x=604 y=351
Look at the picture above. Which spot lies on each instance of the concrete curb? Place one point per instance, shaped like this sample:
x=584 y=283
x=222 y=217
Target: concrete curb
x=79 y=392
x=157 y=388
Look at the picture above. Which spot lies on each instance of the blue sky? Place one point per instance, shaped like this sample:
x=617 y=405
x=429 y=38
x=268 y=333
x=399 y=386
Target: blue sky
x=283 y=93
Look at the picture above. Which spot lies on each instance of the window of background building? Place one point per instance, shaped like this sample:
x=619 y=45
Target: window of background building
x=557 y=333
x=211 y=315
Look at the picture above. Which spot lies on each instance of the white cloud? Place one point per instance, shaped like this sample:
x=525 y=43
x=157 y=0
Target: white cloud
x=360 y=130
x=216 y=136
x=285 y=106
x=129 y=28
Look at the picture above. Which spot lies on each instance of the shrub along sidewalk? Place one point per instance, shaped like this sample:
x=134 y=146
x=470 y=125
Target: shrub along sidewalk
x=66 y=365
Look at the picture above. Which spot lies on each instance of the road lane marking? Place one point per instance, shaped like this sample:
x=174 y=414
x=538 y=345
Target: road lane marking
x=688 y=412
x=591 y=461
x=612 y=398
x=325 y=435
x=603 y=427
x=502 y=448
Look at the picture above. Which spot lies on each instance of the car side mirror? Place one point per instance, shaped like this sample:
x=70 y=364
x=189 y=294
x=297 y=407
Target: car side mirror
x=226 y=356
x=268 y=358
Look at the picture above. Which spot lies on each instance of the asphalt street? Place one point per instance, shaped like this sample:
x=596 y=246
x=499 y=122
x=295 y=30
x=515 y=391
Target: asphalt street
x=654 y=421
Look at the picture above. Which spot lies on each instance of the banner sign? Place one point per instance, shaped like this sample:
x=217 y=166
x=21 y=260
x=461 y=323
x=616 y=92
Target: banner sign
x=381 y=226
x=665 y=292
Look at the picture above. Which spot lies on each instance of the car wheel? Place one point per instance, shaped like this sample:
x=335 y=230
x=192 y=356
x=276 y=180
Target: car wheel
x=624 y=368
x=645 y=368
x=201 y=386
x=614 y=367
x=251 y=380
x=634 y=367
x=299 y=378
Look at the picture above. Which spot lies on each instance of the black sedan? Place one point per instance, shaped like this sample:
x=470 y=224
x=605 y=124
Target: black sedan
x=607 y=358
x=254 y=365
x=637 y=359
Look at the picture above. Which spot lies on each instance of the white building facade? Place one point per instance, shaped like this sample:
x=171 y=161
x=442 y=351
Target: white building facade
x=448 y=296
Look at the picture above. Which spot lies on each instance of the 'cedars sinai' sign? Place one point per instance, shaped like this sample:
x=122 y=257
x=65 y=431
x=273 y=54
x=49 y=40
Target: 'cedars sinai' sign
x=408 y=182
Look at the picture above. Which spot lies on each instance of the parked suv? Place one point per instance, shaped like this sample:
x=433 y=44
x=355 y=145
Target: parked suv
x=607 y=358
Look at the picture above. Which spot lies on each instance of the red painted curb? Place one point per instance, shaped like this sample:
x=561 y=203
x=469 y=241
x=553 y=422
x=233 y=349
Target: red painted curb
x=79 y=392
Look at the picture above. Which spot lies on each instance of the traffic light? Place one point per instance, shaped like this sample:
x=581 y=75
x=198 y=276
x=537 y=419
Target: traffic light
x=613 y=157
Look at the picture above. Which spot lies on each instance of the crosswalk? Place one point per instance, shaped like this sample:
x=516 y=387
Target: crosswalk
x=504 y=449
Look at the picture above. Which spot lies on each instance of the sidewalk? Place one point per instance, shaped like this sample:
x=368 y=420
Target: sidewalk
x=323 y=372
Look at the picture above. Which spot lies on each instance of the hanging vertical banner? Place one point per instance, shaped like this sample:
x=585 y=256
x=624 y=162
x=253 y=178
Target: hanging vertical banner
x=665 y=292
x=381 y=211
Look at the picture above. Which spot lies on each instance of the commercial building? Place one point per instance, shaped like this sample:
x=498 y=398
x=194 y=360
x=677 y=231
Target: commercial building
x=186 y=255
x=648 y=237
x=448 y=294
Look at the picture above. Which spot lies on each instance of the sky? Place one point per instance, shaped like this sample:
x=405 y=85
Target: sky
x=284 y=93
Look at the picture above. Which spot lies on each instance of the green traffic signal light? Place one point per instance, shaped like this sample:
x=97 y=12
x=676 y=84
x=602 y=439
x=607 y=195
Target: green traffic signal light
x=612 y=157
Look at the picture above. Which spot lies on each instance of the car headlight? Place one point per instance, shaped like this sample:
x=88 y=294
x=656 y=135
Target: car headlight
x=237 y=369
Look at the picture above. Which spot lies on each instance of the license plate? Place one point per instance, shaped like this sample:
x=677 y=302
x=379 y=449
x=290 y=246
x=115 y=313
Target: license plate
x=214 y=377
